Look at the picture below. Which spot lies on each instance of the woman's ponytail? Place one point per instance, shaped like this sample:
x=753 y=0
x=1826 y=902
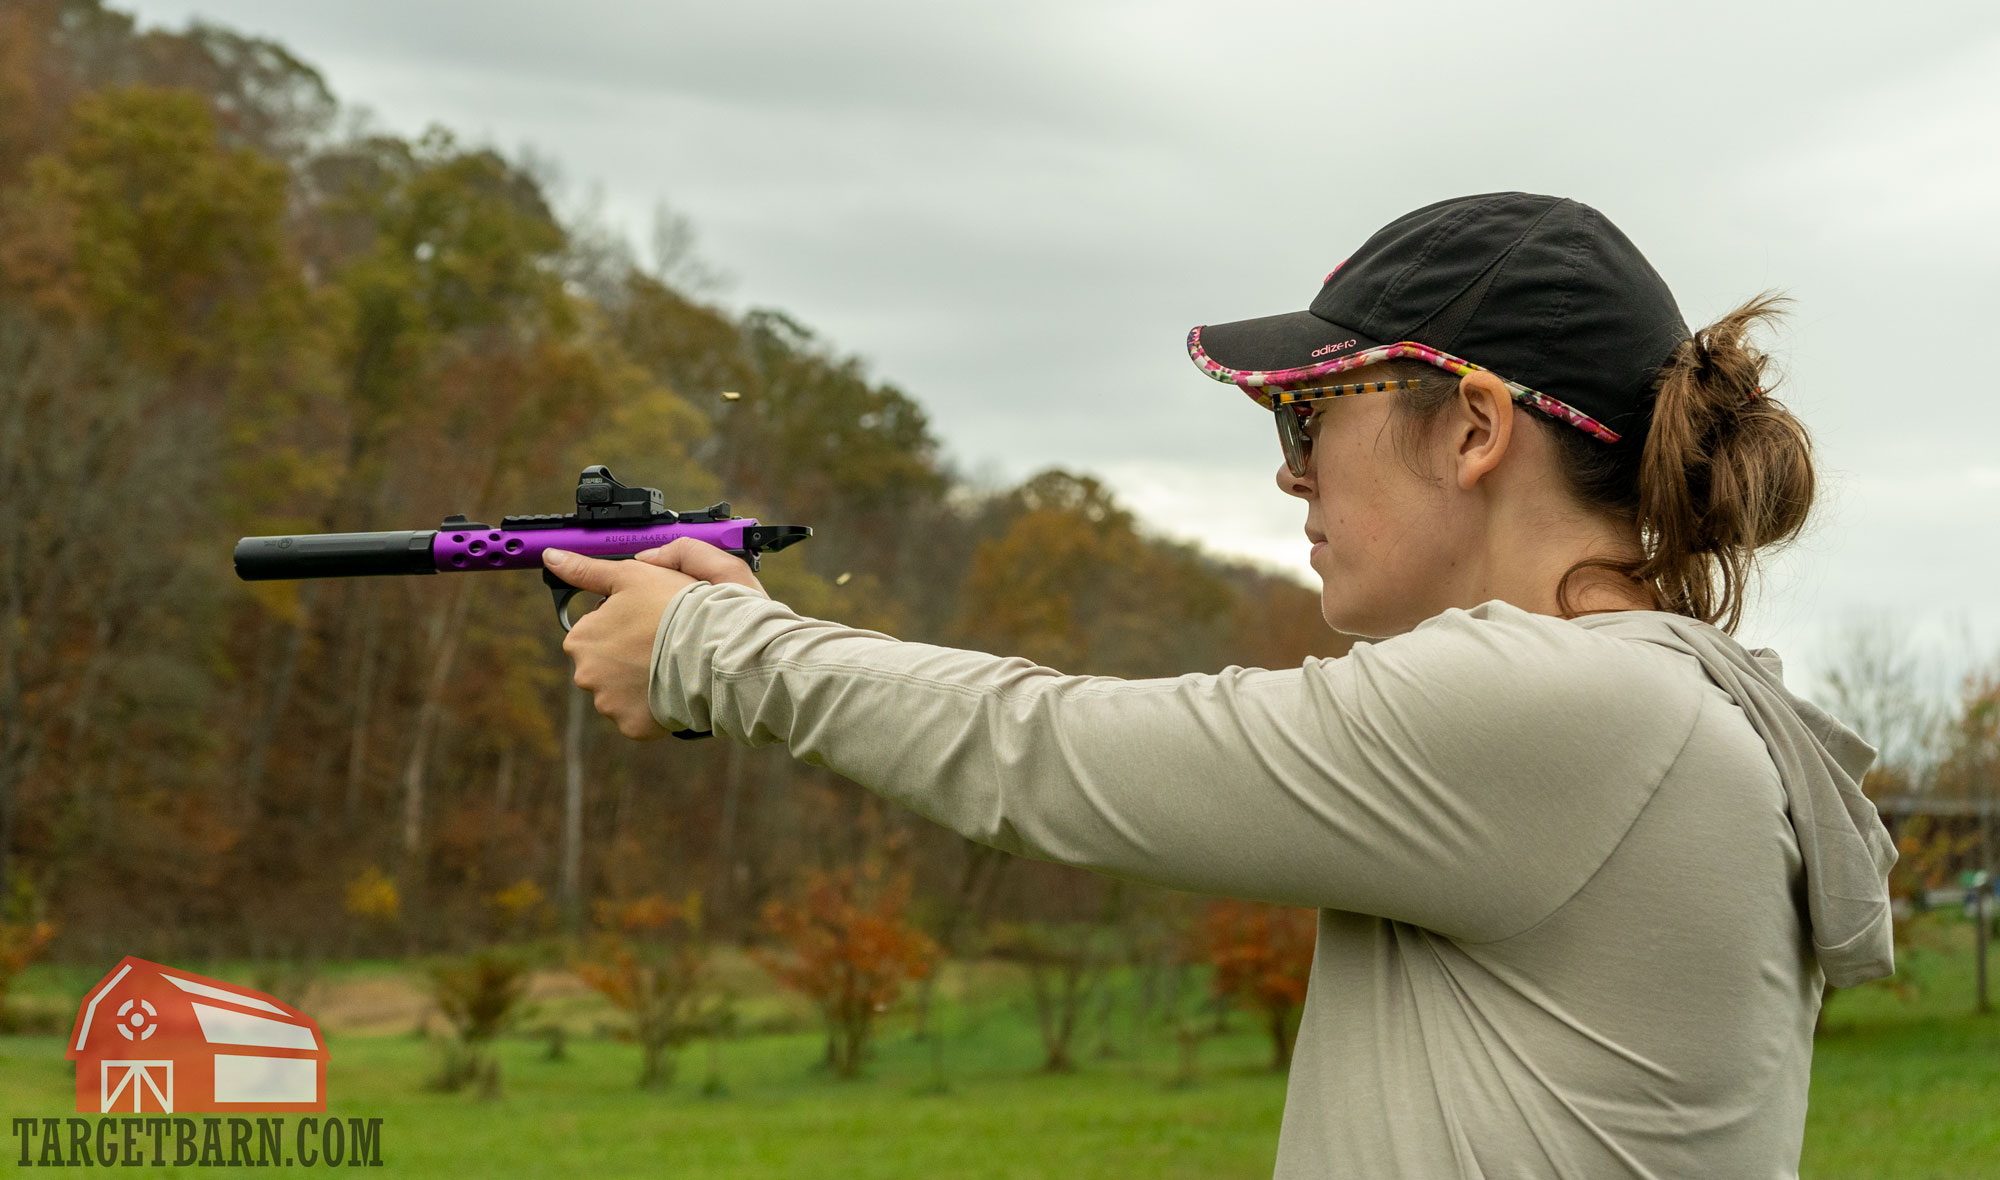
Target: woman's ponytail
x=1726 y=470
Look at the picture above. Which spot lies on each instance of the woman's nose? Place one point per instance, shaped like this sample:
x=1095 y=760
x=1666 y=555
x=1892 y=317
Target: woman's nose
x=1293 y=485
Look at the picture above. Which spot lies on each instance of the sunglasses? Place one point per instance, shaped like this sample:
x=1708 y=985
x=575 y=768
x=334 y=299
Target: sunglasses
x=1293 y=409
x=1292 y=412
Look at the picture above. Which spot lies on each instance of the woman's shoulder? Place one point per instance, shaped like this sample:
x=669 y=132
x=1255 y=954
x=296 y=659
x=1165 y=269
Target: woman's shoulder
x=1592 y=650
x=1543 y=677
x=1542 y=740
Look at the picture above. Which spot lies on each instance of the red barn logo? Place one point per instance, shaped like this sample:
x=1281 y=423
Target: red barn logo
x=153 y=1040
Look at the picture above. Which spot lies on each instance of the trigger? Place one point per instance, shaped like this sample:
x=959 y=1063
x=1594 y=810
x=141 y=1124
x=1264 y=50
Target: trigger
x=563 y=593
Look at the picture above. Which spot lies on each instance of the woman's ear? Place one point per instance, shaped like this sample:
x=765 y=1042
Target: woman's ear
x=1483 y=426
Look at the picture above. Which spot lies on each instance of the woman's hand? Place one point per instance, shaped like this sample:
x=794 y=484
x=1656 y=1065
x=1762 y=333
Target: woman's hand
x=612 y=646
x=703 y=562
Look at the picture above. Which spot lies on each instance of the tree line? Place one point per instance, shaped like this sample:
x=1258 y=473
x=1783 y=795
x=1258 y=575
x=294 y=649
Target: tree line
x=227 y=309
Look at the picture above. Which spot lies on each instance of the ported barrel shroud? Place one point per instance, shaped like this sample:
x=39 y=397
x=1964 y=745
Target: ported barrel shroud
x=468 y=546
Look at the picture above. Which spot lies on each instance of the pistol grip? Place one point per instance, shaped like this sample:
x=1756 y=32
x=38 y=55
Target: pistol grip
x=564 y=592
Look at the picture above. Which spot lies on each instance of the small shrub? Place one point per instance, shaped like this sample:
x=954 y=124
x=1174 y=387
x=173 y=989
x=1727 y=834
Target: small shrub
x=848 y=944
x=651 y=959
x=479 y=997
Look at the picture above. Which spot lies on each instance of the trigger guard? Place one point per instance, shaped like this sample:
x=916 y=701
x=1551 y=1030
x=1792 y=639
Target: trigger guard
x=564 y=592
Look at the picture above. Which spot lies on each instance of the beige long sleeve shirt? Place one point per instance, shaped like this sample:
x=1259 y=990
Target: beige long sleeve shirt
x=1565 y=924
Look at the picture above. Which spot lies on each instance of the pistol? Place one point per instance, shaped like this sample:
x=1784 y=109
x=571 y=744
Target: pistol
x=611 y=521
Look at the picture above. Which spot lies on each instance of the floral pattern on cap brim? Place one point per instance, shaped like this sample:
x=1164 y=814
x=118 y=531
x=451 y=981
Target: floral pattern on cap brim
x=1258 y=384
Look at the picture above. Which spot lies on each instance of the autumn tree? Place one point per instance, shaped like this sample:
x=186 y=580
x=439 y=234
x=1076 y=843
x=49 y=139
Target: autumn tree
x=374 y=905
x=849 y=947
x=1882 y=684
x=1262 y=956
x=130 y=330
x=21 y=943
x=812 y=438
x=53 y=51
x=1931 y=849
x=1969 y=762
x=1071 y=584
x=454 y=326
x=650 y=958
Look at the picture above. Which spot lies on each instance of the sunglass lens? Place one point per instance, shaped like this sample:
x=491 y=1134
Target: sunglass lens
x=1292 y=437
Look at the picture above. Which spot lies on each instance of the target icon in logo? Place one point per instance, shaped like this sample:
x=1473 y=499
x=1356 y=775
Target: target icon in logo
x=129 y=1019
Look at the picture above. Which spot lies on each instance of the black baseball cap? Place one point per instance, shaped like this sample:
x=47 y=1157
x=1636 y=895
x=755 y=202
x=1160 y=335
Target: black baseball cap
x=1543 y=291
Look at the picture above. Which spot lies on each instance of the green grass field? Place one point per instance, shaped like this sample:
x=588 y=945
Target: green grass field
x=1902 y=1088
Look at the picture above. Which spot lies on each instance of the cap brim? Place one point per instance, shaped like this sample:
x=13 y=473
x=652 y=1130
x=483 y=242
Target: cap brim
x=1274 y=349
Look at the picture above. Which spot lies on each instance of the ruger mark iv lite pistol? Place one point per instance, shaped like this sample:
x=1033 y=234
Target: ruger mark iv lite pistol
x=611 y=521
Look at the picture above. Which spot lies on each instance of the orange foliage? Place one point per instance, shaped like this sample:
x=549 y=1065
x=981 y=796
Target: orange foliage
x=651 y=961
x=20 y=945
x=1072 y=584
x=1262 y=955
x=850 y=948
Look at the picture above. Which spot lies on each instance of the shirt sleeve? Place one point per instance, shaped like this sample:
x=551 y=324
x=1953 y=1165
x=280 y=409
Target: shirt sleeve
x=1468 y=776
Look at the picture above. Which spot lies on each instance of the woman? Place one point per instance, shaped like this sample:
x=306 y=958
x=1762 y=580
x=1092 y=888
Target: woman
x=1582 y=863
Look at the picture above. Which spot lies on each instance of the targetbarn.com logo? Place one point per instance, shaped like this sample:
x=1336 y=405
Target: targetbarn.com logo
x=153 y=1040
x=153 y=1043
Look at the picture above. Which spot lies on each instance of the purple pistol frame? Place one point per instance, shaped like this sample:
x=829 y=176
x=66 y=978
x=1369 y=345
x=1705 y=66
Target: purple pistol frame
x=611 y=521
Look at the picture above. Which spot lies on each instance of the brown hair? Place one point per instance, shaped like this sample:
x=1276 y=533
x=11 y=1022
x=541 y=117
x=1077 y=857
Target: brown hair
x=1725 y=469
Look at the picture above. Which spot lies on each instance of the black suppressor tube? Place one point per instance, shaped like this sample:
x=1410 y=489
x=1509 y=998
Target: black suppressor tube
x=335 y=555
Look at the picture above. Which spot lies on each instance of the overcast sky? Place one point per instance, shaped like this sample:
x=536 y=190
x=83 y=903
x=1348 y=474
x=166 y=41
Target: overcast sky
x=1014 y=212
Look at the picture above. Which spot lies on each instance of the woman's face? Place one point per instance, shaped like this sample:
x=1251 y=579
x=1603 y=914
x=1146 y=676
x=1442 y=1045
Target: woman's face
x=1394 y=541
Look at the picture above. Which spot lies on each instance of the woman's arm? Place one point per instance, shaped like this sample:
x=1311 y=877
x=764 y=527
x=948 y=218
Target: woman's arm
x=1467 y=777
